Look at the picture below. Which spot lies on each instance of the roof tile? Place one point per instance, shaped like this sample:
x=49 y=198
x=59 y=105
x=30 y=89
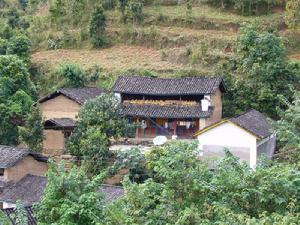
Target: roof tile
x=161 y=86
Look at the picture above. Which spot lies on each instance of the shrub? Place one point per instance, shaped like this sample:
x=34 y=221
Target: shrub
x=19 y=45
x=134 y=11
x=73 y=75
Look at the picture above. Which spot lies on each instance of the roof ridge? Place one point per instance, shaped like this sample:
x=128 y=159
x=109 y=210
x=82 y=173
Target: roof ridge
x=110 y=185
x=245 y=112
x=170 y=78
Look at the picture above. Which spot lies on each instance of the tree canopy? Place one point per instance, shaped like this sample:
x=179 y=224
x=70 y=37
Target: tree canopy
x=183 y=190
x=70 y=198
x=99 y=120
x=17 y=94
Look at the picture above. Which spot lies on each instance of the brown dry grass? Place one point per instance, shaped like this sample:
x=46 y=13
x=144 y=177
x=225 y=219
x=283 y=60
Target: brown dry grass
x=116 y=58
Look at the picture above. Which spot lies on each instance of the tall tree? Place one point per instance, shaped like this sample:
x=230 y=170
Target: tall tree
x=32 y=131
x=97 y=27
x=264 y=73
x=17 y=94
x=99 y=120
x=70 y=198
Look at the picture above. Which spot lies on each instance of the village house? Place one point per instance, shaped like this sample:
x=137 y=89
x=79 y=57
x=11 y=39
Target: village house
x=247 y=136
x=59 y=110
x=170 y=107
x=16 y=164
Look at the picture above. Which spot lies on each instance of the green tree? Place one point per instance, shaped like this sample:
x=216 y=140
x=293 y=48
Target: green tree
x=288 y=131
x=184 y=190
x=14 y=18
x=32 y=132
x=3 y=46
x=133 y=160
x=17 y=94
x=97 y=27
x=293 y=13
x=99 y=120
x=262 y=73
x=122 y=8
x=73 y=74
x=70 y=198
x=23 y=3
x=134 y=11
x=19 y=45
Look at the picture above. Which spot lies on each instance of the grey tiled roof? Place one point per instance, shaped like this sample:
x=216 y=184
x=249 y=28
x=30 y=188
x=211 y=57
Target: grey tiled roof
x=9 y=156
x=166 y=111
x=254 y=122
x=79 y=95
x=160 y=86
x=60 y=123
x=11 y=214
x=28 y=190
x=111 y=193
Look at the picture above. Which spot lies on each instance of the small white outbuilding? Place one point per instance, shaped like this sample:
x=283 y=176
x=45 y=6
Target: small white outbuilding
x=247 y=136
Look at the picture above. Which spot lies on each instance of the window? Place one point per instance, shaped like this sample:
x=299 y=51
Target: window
x=1 y=172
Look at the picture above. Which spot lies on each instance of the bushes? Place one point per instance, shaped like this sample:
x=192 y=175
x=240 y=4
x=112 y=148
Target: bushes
x=247 y=7
x=131 y=10
x=184 y=191
x=73 y=74
x=19 y=45
x=99 y=120
x=293 y=13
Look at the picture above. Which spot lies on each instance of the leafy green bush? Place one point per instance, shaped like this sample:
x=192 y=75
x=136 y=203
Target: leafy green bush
x=17 y=95
x=19 y=45
x=71 y=197
x=134 y=161
x=31 y=133
x=184 y=191
x=293 y=13
x=247 y=7
x=73 y=74
x=3 y=46
x=99 y=120
x=134 y=11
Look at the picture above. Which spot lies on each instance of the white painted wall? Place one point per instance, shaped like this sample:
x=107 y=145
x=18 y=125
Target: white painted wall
x=229 y=135
x=7 y=205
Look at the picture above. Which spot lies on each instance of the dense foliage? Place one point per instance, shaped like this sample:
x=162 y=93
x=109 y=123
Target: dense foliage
x=293 y=13
x=288 y=131
x=73 y=75
x=184 y=191
x=17 y=94
x=99 y=120
x=248 y=7
x=265 y=74
x=31 y=133
x=70 y=198
x=97 y=26
x=133 y=160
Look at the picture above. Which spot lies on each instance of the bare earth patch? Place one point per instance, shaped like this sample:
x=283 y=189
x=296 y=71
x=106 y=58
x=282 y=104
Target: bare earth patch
x=295 y=57
x=116 y=58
